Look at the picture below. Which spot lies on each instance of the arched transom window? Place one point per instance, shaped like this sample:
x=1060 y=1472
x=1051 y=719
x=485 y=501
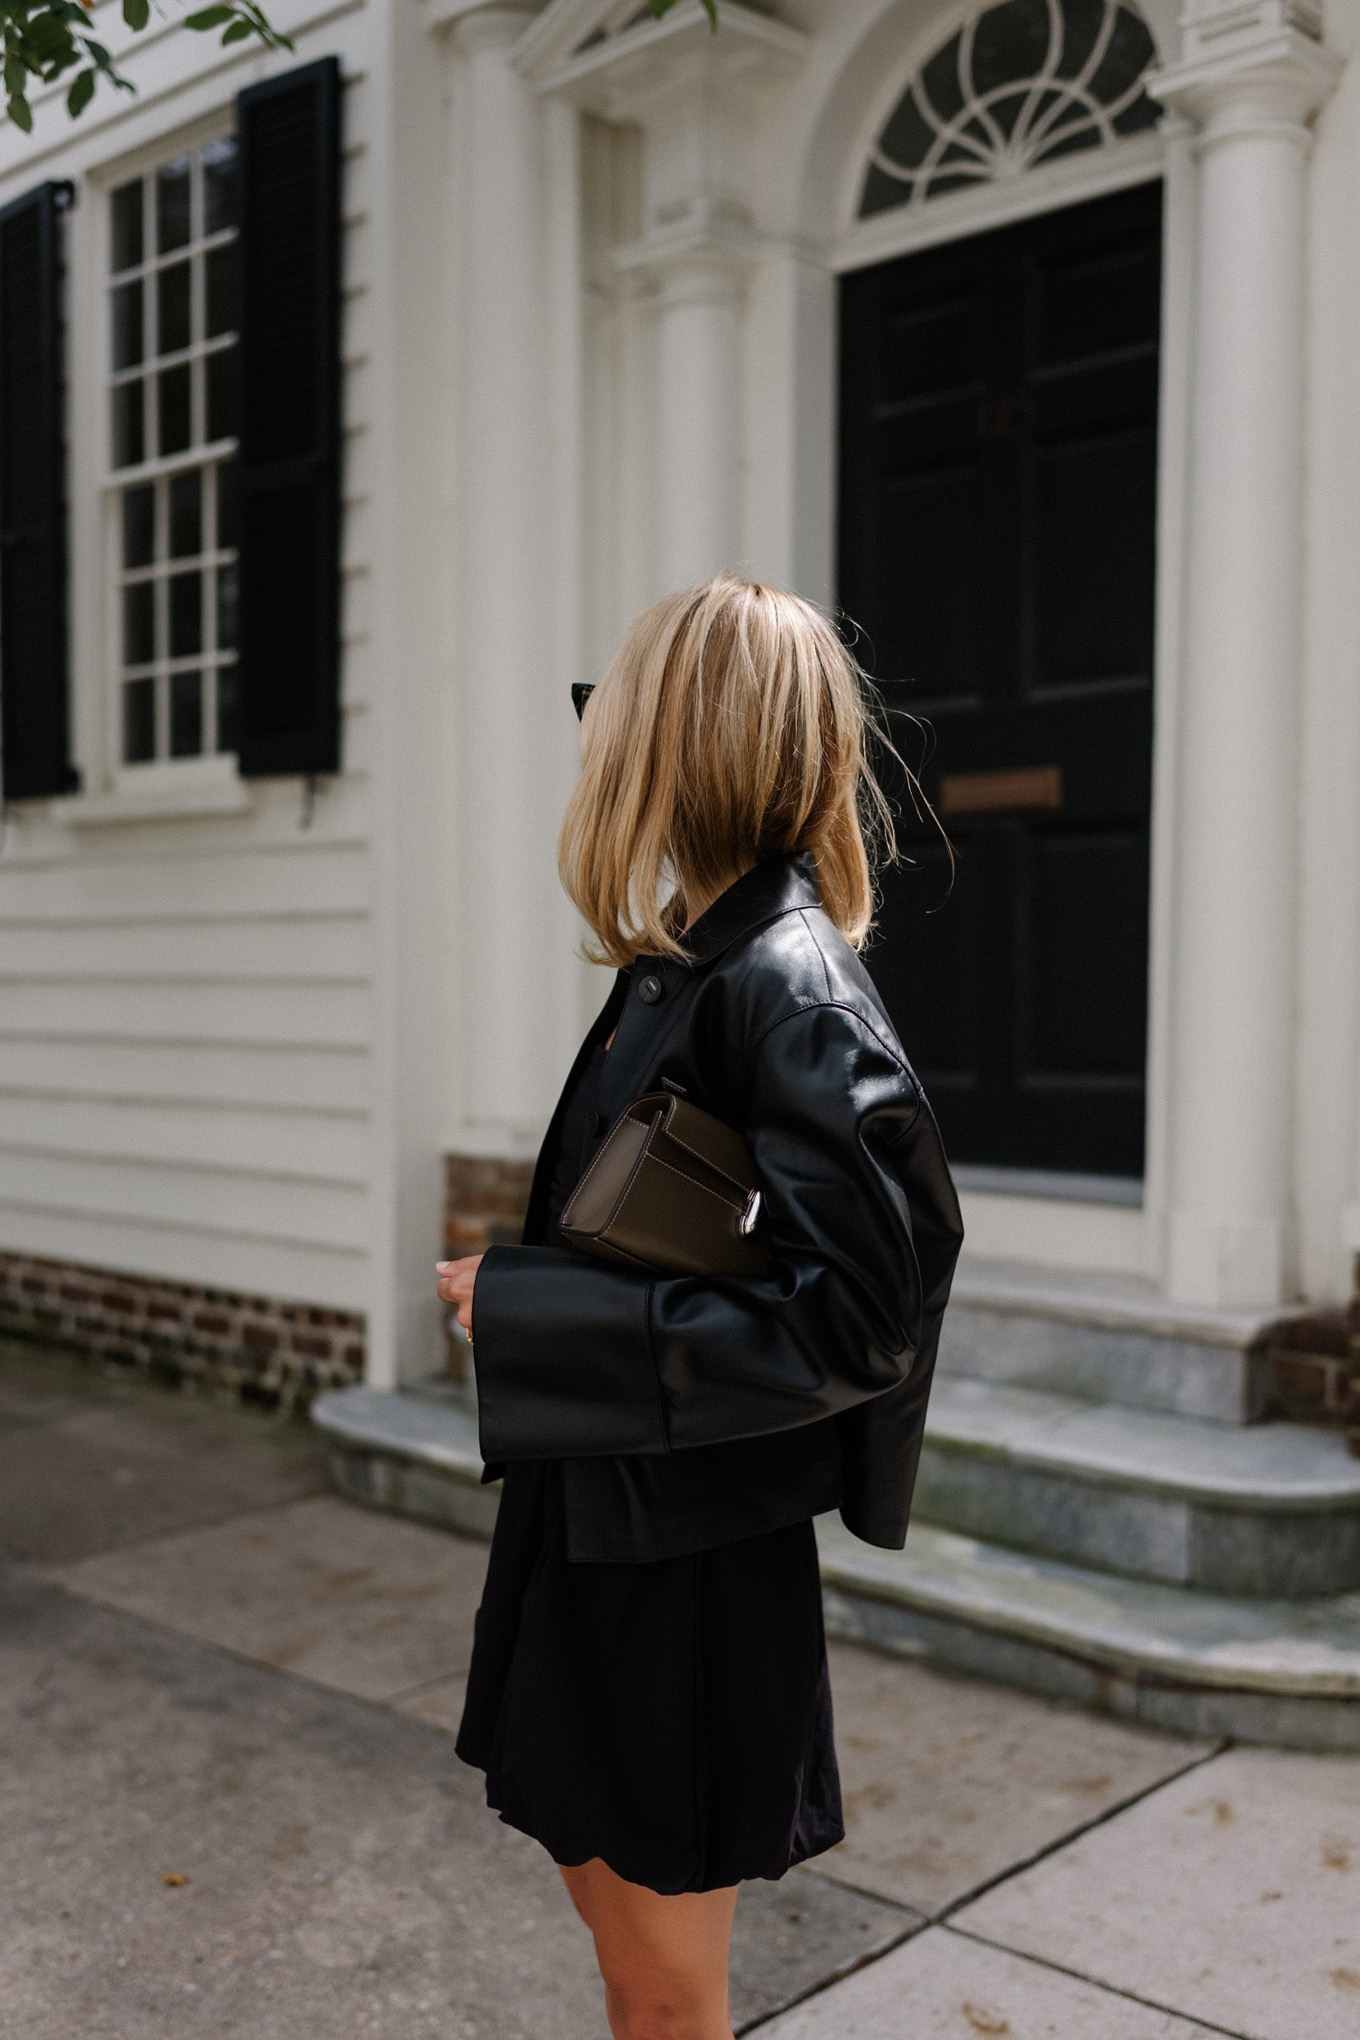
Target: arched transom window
x=1018 y=84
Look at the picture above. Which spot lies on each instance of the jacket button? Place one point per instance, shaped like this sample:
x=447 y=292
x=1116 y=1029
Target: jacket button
x=649 y=991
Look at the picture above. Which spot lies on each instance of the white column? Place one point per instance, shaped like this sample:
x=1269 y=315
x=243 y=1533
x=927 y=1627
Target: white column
x=698 y=419
x=515 y=485
x=1238 y=749
x=696 y=268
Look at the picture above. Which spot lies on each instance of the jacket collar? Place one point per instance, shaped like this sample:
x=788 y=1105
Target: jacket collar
x=781 y=885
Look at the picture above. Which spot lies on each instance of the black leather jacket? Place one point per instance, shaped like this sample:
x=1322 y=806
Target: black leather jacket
x=690 y=1412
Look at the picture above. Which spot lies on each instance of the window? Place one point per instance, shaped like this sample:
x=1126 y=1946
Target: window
x=173 y=420
x=1018 y=84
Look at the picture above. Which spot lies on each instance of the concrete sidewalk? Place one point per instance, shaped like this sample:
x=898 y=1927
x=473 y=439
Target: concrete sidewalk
x=230 y=1803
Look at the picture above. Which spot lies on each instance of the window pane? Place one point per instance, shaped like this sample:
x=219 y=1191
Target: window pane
x=129 y=439
x=139 y=623
x=127 y=324
x=126 y=210
x=139 y=525
x=139 y=721
x=186 y=714
x=186 y=515
x=226 y=609
x=220 y=369
x=186 y=615
x=228 y=689
x=172 y=309
x=220 y=290
x=172 y=205
x=226 y=504
x=219 y=186
x=173 y=423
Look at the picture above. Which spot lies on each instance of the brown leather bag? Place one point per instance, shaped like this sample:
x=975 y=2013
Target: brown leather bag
x=672 y=1188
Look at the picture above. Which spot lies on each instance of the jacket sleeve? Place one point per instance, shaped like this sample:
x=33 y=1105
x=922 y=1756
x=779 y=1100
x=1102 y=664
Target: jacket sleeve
x=576 y=1357
x=881 y=1440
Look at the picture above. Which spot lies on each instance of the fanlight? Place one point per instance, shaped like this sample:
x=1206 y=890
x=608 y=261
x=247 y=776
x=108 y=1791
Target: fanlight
x=1018 y=84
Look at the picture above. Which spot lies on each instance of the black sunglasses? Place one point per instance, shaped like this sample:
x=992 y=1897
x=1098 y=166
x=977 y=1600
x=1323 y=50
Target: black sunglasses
x=581 y=691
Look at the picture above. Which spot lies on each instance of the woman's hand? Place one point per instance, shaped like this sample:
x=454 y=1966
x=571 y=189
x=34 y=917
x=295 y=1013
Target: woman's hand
x=456 y=1282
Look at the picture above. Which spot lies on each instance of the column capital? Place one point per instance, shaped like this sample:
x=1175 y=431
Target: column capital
x=471 y=25
x=701 y=250
x=1249 y=67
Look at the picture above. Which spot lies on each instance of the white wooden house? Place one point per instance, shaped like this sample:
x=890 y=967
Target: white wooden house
x=1024 y=332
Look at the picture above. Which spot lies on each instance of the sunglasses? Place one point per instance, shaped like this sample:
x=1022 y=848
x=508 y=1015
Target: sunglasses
x=581 y=691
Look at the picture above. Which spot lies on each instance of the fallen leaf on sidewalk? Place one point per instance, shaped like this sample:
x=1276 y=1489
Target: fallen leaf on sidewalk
x=173 y=1877
x=984 y=2021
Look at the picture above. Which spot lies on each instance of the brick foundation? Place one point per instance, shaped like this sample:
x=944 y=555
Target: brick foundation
x=274 y=1355
x=484 y=1205
x=484 y=1202
x=1315 y=1369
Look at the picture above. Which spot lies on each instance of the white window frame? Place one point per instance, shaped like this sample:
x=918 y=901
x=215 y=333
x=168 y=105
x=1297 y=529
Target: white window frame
x=208 y=780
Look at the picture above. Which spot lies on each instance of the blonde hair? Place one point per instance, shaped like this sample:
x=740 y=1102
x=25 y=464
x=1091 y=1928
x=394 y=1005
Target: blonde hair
x=730 y=726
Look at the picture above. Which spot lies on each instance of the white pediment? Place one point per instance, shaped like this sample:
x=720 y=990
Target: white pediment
x=566 y=28
x=575 y=45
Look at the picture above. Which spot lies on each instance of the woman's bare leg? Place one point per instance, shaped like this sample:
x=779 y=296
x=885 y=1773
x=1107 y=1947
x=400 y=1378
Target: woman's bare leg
x=663 y=1960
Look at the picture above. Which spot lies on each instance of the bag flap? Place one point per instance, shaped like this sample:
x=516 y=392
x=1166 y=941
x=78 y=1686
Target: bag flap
x=593 y=1202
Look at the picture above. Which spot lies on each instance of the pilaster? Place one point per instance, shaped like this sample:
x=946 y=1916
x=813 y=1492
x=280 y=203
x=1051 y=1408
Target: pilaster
x=515 y=625
x=690 y=92
x=1251 y=78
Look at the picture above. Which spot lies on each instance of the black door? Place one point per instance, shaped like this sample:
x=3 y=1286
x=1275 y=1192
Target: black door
x=997 y=515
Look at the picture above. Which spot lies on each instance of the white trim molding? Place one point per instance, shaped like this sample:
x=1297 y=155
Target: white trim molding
x=1070 y=181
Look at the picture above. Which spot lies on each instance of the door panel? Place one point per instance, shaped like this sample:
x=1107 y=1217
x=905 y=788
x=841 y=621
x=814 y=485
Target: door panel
x=997 y=562
x=1090 y=597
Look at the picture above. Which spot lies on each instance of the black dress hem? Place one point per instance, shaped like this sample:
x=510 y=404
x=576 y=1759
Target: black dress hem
x=670 y=1719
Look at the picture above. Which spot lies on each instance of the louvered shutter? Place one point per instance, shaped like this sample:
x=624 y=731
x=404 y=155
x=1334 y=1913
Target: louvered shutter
x=289 y=140
x=33 y=650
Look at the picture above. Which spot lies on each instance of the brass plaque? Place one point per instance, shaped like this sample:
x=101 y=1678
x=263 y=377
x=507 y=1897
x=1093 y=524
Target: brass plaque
x=991 y=793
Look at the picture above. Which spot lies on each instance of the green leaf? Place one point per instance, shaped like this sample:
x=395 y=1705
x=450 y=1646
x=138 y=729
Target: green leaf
x=16 y=75
x=238 y=32
x=208 y=17
x=50 y=40
x=20 y=113
x=80 y=94
x=711 y=10
x=136 y=13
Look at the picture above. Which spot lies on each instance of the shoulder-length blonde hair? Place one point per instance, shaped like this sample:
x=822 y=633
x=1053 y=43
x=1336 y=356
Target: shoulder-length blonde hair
x=730 y=726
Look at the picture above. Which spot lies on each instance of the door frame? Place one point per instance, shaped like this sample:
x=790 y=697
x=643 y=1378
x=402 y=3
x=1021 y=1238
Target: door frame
x=1027 y=1222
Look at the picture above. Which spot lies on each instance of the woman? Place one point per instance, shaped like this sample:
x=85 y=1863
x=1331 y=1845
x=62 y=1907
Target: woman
x=648 y=1693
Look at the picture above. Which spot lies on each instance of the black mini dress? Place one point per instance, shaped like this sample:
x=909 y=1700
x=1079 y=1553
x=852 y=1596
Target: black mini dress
x=671 y=1719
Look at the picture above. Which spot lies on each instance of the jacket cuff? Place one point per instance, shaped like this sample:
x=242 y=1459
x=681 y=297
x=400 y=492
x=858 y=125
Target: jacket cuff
x=563 y=1358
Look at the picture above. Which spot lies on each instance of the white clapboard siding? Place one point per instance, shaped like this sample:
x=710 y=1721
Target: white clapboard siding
x=172 y=875
x=305 y=1077
x=206 y=1200
x=151 y=1009
x=333 y=948
x=186 y=1024
x=321 y=1146
x=322 y=1271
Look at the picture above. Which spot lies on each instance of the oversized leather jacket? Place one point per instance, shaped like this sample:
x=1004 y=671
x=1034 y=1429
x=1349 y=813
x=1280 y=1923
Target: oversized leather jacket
x=691 y=1412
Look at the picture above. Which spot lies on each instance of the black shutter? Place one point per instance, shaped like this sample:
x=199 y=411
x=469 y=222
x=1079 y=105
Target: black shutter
x=33 y=654
x=289 y=139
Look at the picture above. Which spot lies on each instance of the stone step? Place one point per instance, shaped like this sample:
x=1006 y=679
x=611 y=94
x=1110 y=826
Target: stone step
x=414 y=1452
x=1266 y=1670
x=1266 y=1509
x=1270 y=1671
x=1107 y=1339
